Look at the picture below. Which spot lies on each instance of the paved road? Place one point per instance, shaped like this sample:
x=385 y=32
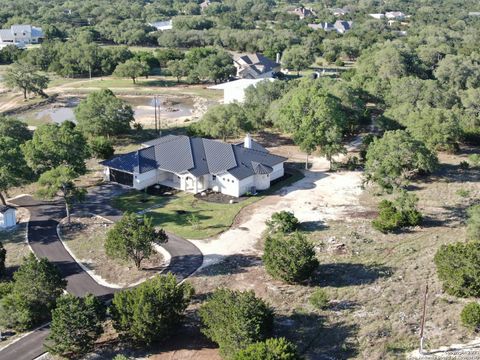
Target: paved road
x=43 y=238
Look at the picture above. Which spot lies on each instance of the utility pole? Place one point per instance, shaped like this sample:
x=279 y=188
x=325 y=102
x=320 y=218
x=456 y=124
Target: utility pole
x=423 y=319
x=155 y=105
x=159 y=131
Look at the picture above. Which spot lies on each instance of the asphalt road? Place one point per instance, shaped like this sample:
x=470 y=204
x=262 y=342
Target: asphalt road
x=43 y=238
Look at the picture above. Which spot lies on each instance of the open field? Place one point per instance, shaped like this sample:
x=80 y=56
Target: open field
x=375 y=282
x=174 y=213
x=85 y=237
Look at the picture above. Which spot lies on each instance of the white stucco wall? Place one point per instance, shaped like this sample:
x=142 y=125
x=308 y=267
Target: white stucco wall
x=262 y=181
x=278 y=172
x=227 y=184
x=141 y=181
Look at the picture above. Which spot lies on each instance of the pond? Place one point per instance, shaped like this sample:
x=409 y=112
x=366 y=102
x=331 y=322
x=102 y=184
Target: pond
x=172 y=110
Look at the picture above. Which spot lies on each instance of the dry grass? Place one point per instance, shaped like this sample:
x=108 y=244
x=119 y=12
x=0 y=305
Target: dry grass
x=375 y=281
x=85 y=237
x=14 y=241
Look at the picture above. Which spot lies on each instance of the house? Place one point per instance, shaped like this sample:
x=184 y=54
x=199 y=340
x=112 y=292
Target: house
x=255 y=66
x=205 y=4
x=234 y=91
x=303 y=12
x=340 y=11
x=162 y=25
x=8 y=217
x=21 y=35
x=377 y=16
x=342 y=26
x=195 y=164
x=395 y=15
x=339 y=26
x=474 y=13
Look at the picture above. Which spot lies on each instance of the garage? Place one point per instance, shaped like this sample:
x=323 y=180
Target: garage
x=121 y=177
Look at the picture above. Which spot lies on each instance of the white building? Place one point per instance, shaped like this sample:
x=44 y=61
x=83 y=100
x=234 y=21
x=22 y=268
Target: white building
x=234 y=91
x=162 y=25
x=21 y=35
x=197 y=164
x=377 y=16
x=8 y=217
x=340 y=26
x=395 y=15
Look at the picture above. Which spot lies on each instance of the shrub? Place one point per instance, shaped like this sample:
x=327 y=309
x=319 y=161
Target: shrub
x=270 y=349
x=289 y=258
x=473 y=223
x=5 y=289
x=101 y=147
x=36 y=287
x=458 y=267
x=283 y=221
x=152 y=310
x=235 y=320
x=339 y=62
x=319 y=299
x=474 y=160
x=463 y=193
x=398 y=214
x=464 y=165
x=76 y=325
x=352 y=163
x=470 y=316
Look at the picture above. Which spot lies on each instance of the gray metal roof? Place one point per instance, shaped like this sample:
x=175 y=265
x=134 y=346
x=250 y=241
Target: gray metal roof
x=180 y=154
x=6 y=35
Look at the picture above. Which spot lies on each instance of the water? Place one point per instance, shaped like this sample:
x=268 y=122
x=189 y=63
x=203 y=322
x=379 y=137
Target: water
x=171 y=109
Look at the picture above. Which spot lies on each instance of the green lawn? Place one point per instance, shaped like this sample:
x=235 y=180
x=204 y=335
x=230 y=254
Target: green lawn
x=174 y=213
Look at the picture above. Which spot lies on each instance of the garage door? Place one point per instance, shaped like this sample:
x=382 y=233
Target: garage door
x=121 y=177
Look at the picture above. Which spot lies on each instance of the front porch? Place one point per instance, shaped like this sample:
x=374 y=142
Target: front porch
x=184 y=182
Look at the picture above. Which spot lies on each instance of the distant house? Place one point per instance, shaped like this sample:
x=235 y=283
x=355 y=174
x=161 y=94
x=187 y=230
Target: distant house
x=303 y=12
x=8 y=217
x=205 y=4
x=339 y=26
x=196 y=164
x=395 y=15
x=342 y=26
x=255 y=66
x=340 y=11
x=234 y=91
x=377 y=16
x=21 y=35
x=162 y=25
x=474 y=13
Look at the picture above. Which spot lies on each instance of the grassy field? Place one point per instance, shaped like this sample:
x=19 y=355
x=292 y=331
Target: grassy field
x=174 y=213
x=85 y=237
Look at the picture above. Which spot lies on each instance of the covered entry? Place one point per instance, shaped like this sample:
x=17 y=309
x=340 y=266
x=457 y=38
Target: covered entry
x=121 y=177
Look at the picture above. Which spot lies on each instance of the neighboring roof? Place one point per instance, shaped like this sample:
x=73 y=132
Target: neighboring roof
x=343 y=25
x=238 y=84
x=198 y=156
x=256 y=61
x=6 y=35
x=21 y=28
x=162 y=25
x=474 y=13
x=5 y=208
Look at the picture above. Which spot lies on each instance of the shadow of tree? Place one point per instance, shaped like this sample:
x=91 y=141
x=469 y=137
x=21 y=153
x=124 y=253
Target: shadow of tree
x=232 y=264
x=315 y=339
x=347 y=274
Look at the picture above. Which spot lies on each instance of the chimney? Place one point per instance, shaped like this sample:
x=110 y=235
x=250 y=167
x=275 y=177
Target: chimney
x=277 y=60
x=247 y=144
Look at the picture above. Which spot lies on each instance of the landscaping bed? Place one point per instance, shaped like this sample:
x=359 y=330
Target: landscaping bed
x=190 y=217
x=85 y=238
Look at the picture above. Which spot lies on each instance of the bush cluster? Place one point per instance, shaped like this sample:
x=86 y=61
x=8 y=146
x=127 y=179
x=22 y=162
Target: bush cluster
x=470 y=316
x=290 y=258
x=397 y=214
x=283 y=221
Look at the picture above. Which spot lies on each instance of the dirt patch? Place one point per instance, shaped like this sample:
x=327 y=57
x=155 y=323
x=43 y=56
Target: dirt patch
x=85 y=237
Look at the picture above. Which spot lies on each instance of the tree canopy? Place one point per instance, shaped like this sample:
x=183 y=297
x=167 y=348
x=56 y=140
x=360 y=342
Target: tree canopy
x=132 y=69
x=53 y=145
x=25 y=77
x=102 y=113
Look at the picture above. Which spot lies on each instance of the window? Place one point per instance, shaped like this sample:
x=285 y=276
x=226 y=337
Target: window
x=214 y=177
